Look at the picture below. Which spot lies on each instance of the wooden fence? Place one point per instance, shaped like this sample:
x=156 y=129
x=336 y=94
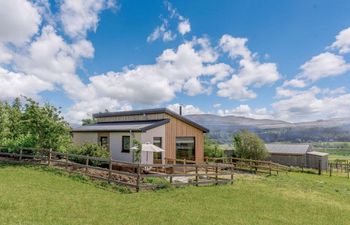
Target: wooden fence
x=339 y=167
x=133 y=175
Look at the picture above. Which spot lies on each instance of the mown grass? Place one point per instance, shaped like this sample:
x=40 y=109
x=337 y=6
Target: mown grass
x=32 y=195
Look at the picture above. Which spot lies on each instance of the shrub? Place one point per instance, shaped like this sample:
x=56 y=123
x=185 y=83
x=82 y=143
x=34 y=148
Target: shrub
x=249 y=146
x=212 y=149
x=92 y=150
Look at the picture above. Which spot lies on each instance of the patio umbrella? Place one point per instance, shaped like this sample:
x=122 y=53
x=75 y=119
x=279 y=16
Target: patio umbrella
x=148 y=147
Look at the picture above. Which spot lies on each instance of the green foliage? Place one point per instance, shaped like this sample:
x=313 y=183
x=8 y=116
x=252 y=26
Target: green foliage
x=32 y=125
x=88 y=121
x=212 y=148
x=160 y=182
x=93 y=150
x=249 y=146
x=137 y=152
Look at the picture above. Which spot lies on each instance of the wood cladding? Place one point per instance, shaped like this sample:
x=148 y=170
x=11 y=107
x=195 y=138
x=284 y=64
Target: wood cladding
x=153 y=116
x=177 y=128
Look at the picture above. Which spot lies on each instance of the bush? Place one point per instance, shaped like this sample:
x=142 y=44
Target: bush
x=22 y=141
x=92 y=150
x=212 y=149
x=249 y=146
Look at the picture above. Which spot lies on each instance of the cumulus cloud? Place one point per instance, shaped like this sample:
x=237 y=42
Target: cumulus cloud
x=13 y=85
x=250 y=73
x=186 y=109
x=323 y=65
x=80 y=16
x=247 y=111
x=20 y=21
x=342 y=42
x=184 y=27
x=313 y=104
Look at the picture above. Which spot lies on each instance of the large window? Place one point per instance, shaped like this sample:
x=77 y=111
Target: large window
x=126 y=144
x=185 y=148
x=157 y=141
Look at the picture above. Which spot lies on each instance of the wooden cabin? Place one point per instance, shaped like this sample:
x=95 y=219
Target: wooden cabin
x=180 y=137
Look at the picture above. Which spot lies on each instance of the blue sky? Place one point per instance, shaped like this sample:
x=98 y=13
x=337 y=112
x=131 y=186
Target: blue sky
x=285 y=60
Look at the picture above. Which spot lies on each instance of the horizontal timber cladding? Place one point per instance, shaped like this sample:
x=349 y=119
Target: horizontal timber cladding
x=153 y=116
x=177 y=128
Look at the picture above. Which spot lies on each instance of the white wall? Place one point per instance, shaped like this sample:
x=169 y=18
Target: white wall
x=147 y=157
x=115 y=143
x=155 y=132
x=80 y=138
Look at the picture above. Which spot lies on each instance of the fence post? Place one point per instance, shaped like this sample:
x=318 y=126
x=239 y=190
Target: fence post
x=110 y=169
x=184 y=165
x=216 y=174
x=232 y=171
x=86 y=165
x=49 y=158
x=138 y=178
x=270 y=170
x=347 y=167
x=319 y=167
x=171 y=174
x=330 y=169
x=66 y=156
x=20 y=154
x=197 y=177
x=256 y=167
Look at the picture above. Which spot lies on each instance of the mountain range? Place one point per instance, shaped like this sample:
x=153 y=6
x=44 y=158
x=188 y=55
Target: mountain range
x=222 y=128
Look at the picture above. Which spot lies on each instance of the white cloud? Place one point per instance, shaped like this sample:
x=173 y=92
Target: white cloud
x=5 y=54
x=13 y=85
x=217 y=105
x=313 y=104
x=19 y=21
x=323 y=65
x=165 y=31
x=184 y=27
x=250 y=72
x=247 y=111
x=342 y=42
x=186 y=109
x=295 y=83
x=80 y=16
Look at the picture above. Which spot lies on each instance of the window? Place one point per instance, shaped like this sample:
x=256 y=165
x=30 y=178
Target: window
x=126 y=144
x=157 y=141
x=104 y=141
x=185 y=148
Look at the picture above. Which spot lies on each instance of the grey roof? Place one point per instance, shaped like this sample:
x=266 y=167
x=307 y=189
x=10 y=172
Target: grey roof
x=138 y=126
x=151 y=111
x=297 y=149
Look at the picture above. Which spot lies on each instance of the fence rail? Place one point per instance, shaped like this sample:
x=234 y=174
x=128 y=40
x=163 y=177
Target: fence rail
x=133 y=175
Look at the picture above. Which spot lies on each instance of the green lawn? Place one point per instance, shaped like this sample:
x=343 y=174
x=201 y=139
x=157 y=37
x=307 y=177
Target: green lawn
x=32 y=195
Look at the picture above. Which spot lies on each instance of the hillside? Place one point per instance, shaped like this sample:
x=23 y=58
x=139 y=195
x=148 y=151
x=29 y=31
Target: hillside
x=34 y=195
x=223 y=127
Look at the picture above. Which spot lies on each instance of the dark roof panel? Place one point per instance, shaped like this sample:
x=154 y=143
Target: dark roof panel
x=296 y=149
x=152 y=111
x=138 y=126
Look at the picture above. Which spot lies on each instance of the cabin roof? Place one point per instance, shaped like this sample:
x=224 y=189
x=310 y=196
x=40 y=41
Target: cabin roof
x=297 y=149
x=135 y=126
x=152 y=111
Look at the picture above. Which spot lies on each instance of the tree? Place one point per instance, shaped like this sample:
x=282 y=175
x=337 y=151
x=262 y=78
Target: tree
x=212 y=148
x=249 y=146
x=88 y=121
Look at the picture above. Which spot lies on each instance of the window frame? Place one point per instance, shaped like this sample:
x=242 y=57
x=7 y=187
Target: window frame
x=194 y=146
x=123 y=143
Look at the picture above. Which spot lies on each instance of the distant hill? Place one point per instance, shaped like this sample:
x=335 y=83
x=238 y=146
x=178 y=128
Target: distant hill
x=222 y=128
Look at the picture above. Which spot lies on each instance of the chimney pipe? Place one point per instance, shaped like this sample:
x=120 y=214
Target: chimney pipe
x=180 y=109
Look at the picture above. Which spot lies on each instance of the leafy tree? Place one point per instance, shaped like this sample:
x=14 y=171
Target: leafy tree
x=212 y=148
x=32 y=125
x=88 y=121
x=249 y=146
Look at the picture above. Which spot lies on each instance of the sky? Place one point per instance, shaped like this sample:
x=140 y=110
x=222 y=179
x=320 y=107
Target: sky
x=287 y=60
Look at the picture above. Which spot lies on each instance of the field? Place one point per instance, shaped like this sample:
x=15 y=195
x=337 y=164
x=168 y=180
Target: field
x=336 y=150
x=35 y=195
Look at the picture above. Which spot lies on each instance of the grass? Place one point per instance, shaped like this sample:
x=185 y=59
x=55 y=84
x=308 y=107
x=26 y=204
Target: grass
x=35 y=195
